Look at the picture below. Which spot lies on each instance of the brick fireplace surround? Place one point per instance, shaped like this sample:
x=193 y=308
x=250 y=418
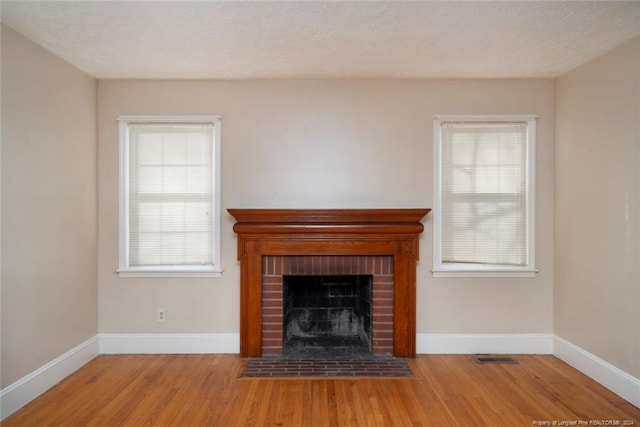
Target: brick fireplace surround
x=380 y=242
x=276 y=267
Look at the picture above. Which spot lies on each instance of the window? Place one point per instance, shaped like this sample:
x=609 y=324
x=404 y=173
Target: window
x=484 y=196
x=169 y=196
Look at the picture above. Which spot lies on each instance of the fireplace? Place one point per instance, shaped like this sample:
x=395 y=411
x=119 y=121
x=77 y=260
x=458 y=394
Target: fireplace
x=274 y=243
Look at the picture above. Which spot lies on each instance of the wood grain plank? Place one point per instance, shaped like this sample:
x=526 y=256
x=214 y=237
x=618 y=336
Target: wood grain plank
x=208 y=390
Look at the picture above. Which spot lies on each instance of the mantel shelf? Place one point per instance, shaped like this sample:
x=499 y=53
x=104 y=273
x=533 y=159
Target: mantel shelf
x=328 y=216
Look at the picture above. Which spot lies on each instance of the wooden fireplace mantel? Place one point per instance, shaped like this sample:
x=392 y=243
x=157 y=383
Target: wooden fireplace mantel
x=284 y=232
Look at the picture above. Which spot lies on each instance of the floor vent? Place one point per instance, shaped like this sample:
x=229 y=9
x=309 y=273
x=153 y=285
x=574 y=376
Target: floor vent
x=488 y=359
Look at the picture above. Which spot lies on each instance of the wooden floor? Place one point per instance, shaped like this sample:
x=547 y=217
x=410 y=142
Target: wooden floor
x=208 y=390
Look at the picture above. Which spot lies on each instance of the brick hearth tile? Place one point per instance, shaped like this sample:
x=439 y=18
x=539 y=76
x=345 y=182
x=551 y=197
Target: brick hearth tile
x=283 y=367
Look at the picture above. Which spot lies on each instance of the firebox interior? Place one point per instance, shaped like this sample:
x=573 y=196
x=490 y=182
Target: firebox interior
x=327 y=315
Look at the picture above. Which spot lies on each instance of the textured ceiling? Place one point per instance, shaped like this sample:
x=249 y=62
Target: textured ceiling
x=336 y=39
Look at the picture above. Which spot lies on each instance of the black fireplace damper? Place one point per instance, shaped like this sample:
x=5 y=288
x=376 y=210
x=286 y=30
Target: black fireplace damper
x=327 y=316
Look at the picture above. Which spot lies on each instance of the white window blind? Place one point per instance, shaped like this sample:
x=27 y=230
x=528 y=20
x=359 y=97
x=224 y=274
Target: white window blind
x=170 y=217
x=484 y=196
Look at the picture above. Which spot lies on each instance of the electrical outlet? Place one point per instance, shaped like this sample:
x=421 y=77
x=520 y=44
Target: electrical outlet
x=161 y=315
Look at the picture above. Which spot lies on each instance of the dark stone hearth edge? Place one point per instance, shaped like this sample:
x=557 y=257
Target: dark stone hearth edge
x=331 y=367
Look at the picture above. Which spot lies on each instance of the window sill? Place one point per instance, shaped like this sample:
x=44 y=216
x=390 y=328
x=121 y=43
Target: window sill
x=168 y=273
x=483 y=273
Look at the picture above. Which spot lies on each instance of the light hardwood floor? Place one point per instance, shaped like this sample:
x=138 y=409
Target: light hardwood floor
x=208 y=390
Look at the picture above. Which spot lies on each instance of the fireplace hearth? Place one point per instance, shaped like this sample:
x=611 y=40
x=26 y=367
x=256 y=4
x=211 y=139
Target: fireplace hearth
x=273 y=243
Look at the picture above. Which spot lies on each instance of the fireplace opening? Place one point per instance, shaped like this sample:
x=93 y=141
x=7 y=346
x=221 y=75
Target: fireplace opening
x=327 y=315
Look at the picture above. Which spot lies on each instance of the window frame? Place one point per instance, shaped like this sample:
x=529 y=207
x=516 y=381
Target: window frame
x=477 y=270
x=124 y=269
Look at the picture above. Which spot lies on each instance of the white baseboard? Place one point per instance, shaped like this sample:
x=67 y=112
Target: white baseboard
x=484 y=343
x=615 y=379
x=169 y=343
x=23 y=391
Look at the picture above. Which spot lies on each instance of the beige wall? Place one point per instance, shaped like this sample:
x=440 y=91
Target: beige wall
x=306 y=144
x=49 y=207
x=597 y=207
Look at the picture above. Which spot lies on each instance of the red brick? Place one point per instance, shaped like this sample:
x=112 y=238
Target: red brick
x=383 y=334
x=274 y=302
x=311 y=266
x=380 y=302
x=277 y=334
x=382 y=287
x=382 y=311
x=271 y=303
x=332 y=264
x=272 y=287
x=386 y=265
x=271 y=326
x=346 y=265
x=371 y=265
x=383 y=324
x=383 y=280
x=383 y=327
